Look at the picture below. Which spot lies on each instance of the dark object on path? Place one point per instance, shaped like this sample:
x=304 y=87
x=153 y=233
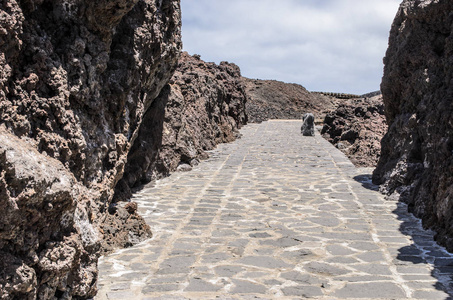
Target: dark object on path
x=308 y=128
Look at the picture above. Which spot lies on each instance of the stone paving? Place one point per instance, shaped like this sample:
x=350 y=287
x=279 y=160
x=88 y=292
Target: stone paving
x=276 y=215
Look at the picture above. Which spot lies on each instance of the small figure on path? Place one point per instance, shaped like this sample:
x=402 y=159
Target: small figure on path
x=308 y=127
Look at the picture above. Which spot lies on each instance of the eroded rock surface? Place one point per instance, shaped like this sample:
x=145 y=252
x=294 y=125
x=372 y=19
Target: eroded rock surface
x=308 y=126
x=271 y=99
x=417 y=152
x=202 y=106
x=356 y=127
x=75 y=80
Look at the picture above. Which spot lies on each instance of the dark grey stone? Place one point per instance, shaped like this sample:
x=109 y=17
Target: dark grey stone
x=263 y=262
x=326 y=269
x=199 y=285
x=228 y=271
x=434 y=295
x=374 y=269
x=282 y=242
x=301 y=278
x=363 y=278
x=215 y=258
x=260 y=235
x=247 y=287
x=371 y=290
x=308 y=127
x=160 y=288
x=177 y=264
x=339 y=250
x=303 y=291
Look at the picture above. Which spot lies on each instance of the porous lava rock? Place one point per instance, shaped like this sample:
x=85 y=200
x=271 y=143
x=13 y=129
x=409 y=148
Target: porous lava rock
x=416 y=163
x=356 y=127
x=271 y=99
x=202 y=106
x=76 y=78
x=308 y=126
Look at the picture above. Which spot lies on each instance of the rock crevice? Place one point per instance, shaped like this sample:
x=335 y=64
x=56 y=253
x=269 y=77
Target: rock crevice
x=202 y=106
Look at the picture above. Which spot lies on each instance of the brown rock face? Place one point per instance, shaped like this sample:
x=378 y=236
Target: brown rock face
x=356 y=127
x=75 y=80
x=203 y=105
x=270 y=99
x=417 y=152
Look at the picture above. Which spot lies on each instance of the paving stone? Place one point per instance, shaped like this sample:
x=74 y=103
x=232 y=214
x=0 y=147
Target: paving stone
x=364 y=278
x=371 y=291
x=345 y=260
x=434 y=295
x=339 y=250
x=325 y=269
x=120 y=287
x=121 y=295
x=373 y=269
x=298 y=255
x=199 y=285
x=247 y=287
x=303 y=291
x=160 y=288
x=282 y=242
x=301 y=278
x=228 y=271
x=264 y=262
x=273 y=216
x=215 y=258
x=260 y=235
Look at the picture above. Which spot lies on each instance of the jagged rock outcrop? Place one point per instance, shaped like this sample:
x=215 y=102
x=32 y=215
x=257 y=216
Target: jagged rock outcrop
x=202 y=106
x=356 y=127
x=75 y=80
x=416 y=163
x=270 y=99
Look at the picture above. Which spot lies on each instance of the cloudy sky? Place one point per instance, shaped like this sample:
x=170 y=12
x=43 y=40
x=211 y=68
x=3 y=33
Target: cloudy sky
x=324 y=45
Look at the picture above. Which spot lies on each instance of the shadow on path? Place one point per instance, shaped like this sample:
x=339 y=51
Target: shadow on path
x=365 y=180
x=424 y=250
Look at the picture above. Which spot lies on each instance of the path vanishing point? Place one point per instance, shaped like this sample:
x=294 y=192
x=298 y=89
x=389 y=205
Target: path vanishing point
x=276 y=215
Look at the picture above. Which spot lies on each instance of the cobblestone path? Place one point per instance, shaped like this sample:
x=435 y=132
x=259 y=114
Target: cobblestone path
x=276 y=215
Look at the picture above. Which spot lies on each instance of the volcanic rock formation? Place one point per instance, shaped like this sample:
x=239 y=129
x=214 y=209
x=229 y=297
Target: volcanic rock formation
x=75 y=80
x=416 y=163
x=356 y=127
x=202 y=106
x=270 y=99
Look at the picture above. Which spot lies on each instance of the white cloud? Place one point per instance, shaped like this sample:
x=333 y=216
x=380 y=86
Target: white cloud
x=329 y=45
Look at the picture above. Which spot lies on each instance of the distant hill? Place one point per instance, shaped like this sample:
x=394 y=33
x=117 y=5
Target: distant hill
x=271 y=99
x=372 y=94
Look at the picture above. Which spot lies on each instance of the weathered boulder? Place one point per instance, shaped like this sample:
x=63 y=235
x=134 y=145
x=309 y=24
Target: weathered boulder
x=202 y=106
x=308 y=126
x=356 y=128
x=75 y=80
x=416 y=163
x=271 y=99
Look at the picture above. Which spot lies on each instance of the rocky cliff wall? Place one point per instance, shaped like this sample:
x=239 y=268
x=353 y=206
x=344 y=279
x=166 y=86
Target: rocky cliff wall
x=417 y=152
x=271 y=99
x=356 y=127
x=75 y=80
x=202 y=106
